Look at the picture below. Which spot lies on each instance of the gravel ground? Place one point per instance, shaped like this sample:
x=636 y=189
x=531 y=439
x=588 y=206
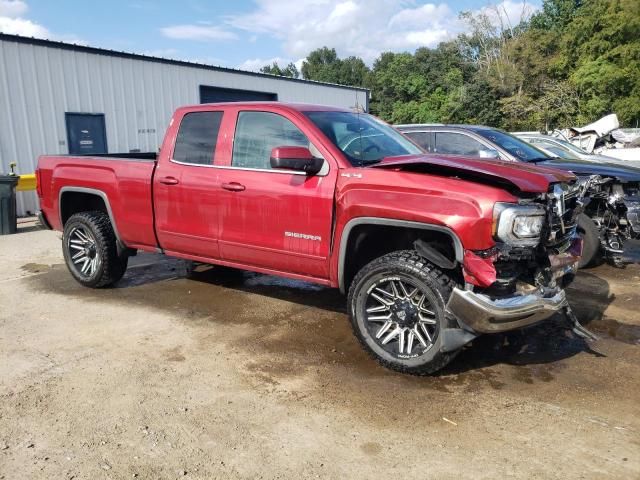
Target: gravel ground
x=237 y=375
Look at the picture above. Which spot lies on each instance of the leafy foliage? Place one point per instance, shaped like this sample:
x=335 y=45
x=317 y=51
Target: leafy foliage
x=324 y=65
x=570 y=63
x=274 y=69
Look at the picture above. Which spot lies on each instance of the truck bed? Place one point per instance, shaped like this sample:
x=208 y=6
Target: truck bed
x=122 y=180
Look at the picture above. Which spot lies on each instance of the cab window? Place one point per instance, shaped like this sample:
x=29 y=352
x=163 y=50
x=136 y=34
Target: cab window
x=421 y=138
x=257 y=133
x=457 y=144
x=197 y=137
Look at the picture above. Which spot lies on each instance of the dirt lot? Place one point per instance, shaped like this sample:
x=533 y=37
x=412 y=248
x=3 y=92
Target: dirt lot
x=248 y=376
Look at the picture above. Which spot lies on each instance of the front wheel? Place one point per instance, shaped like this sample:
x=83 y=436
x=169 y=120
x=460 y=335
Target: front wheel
x=588 y=231
x=90 y=250
x=397 y=311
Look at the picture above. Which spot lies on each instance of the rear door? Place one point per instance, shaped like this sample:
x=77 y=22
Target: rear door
x=275 y=219
x=186 y=188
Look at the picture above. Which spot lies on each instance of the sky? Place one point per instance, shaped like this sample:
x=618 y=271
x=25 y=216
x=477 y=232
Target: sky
x=248 y=34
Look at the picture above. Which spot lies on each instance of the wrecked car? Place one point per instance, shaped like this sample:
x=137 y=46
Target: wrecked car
x=431 y=252
x=610 y=223
x=605 y=137
x=559 y=147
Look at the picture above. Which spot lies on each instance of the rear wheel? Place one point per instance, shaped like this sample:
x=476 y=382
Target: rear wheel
x=590 y=235
x=90 y=250
x=397 y=310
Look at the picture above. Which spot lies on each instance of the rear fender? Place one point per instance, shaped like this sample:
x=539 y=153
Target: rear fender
x=98 y=193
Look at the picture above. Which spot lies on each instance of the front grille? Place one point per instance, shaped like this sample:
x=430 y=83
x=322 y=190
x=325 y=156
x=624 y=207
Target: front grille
x=564 y=207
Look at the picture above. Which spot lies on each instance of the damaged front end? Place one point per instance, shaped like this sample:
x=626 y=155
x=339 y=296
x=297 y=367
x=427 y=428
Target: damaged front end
x=614 y=207
x=521 y=280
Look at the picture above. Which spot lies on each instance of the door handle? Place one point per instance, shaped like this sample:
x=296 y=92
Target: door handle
x=233 y=186
x=169 y=180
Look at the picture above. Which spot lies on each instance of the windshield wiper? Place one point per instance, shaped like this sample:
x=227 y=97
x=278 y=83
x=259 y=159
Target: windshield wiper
x=363 y=163
x=540 y=159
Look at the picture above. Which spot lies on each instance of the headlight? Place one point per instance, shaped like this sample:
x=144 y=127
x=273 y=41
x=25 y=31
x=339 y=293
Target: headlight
x=527 y=226
x=518 y=225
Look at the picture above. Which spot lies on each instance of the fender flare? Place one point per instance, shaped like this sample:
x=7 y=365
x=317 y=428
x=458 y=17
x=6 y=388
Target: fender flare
x=91 y=191
x=354 y=222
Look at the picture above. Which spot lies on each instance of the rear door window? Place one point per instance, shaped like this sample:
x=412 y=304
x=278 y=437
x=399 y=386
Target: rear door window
x=423 y=139
x=457 y=144
x=197 y=138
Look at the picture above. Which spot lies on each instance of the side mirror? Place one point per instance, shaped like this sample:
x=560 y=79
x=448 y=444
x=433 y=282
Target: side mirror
x=296 y=158
x=489 y=153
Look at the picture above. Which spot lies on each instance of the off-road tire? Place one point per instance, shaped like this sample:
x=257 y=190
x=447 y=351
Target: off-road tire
x=590 y=235
x=111 y=266
x=436 y=284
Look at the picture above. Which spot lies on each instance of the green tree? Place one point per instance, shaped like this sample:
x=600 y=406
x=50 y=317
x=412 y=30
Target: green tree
x=274 y=69
x=555 y=14
x=602 y=45
x=478 y=105
x=395 y=80
x=324 y=65
x=570 y=63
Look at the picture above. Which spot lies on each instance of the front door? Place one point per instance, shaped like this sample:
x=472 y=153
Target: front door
x=86 y=133
x=274 y=219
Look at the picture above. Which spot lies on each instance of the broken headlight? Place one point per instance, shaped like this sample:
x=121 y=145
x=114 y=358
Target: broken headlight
x=518 y=225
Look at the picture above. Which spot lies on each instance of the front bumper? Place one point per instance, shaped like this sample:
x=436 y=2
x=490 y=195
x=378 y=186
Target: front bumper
x=481 y=314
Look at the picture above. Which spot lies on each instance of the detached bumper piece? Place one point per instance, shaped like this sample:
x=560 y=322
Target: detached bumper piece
x=483 y=315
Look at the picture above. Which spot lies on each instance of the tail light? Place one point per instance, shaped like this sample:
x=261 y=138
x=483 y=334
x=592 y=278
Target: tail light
x=38 y=183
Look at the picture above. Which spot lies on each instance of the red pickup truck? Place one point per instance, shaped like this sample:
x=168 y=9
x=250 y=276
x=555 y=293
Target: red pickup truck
x=432 y=250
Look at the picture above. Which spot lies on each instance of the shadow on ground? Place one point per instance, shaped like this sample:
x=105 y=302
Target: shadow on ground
x=310 y=321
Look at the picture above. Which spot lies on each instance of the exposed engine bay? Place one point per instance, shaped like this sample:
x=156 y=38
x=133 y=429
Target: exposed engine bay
x=615 y=209
x=549 y=261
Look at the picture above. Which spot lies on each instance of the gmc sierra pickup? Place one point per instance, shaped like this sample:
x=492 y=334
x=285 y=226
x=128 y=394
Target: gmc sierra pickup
x=432 y=251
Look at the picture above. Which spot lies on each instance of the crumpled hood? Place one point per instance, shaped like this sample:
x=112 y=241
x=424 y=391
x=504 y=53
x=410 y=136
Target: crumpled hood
x=622 y=173
x=525 y=177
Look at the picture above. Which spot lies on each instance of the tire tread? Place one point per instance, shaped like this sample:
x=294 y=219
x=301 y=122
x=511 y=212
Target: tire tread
x=421 y=266
x=113 y=265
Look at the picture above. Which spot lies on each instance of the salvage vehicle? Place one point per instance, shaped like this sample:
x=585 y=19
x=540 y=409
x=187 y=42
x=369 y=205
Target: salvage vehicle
x=559 y=147
x=605 y=136
x=432 y=252
x=610 y=223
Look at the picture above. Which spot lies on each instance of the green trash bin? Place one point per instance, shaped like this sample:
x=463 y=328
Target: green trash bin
x=8 y=218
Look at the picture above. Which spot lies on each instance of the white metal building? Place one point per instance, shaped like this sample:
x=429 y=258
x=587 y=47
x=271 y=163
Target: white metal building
x=59 y=98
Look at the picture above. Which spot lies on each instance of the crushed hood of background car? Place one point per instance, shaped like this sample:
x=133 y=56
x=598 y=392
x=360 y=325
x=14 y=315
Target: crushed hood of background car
x=605 y=137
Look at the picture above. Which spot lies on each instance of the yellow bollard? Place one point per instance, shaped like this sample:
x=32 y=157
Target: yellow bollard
x=26 y=182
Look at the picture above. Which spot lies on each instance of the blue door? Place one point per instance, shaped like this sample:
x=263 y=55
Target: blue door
x=86 y=133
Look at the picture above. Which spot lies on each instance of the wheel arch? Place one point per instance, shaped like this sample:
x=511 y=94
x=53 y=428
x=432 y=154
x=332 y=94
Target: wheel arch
x=73 y=200
x=347 y=264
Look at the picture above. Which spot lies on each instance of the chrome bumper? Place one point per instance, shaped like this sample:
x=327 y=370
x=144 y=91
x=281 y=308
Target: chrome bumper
x=484 y=315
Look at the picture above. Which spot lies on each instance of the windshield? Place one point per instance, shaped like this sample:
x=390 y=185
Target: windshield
x=361 y=137
x=571 y=146
x=515 y=146
x=557 y=151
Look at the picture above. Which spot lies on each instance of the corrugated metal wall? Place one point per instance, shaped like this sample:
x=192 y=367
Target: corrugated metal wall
x=39 y=83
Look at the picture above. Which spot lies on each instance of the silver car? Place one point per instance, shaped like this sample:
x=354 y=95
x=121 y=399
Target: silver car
x=562 y=148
